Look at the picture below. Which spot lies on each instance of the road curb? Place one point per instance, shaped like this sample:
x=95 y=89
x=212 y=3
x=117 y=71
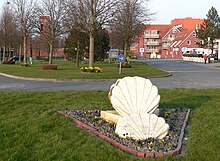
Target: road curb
x=25 y=78
x=72 y=80
x=55 y=80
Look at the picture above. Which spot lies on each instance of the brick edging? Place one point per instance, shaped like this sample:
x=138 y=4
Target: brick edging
x=174 y=152
x=54 y=80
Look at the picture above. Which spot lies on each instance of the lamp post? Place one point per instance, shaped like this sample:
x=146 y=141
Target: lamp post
x=77 y=54
x=31 y=51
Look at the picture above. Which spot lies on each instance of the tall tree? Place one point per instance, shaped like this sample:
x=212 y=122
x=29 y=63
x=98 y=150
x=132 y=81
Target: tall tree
x=128 y=22
x=209 y=30
x=25 y=14
x=76 y=43
x=79 y=41
x=101 y=43
x=89 y=15
x=8 y=30
x=54 y=13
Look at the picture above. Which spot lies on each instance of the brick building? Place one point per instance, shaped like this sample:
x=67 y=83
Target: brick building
x=167 y=41
x=39 y=44
x=184 y=43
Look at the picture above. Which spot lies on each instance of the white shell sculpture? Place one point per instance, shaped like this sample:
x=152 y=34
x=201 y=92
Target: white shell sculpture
x=134 y=95
x=142 y=126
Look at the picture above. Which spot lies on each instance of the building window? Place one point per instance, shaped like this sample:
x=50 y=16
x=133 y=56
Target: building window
x=42 y=27
x=201 y=42
x=194 y=34
x=154 y=32
x=147 y=32
x=151 y=47
x=189 y=42
x=173 y=31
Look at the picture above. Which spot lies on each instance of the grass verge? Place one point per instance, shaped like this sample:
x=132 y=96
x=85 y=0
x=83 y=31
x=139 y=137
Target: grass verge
x=31 y=129
x=67 y=71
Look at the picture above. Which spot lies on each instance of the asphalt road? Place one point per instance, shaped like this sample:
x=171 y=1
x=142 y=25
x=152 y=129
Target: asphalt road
x=187 y=74
x=184 y=75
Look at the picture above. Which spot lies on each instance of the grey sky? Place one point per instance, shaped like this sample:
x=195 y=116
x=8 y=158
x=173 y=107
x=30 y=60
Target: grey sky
x=167 y=10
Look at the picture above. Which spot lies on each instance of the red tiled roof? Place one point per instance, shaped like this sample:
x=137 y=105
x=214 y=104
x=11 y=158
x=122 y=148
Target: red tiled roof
x=163 y=29
x=183 y=35
x=188 y=22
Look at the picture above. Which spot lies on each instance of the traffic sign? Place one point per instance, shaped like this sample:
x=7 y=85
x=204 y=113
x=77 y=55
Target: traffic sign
x=141 y=50
x=121 y=58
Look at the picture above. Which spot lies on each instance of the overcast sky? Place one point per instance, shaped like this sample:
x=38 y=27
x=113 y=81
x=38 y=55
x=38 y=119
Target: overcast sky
x=167 y=10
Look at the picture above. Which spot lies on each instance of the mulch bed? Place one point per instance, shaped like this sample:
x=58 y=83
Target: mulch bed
x=170 y=145
x=8 y=62
x=49 y=67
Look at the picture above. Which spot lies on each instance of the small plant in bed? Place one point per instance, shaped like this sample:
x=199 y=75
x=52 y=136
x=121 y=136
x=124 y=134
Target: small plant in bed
x=91 y=70
x=174 y=117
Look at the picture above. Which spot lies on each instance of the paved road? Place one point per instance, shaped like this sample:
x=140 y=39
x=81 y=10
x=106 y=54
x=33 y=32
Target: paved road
x=187 y=74
x=184 y=75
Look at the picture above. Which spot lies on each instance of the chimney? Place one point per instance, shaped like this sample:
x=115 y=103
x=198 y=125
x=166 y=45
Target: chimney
x=197 y=26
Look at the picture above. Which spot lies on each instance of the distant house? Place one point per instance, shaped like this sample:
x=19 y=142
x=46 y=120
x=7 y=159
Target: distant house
x=149 y=44
x=39 y=46
x=185 y=42
x=167 y=41
x=169 y=37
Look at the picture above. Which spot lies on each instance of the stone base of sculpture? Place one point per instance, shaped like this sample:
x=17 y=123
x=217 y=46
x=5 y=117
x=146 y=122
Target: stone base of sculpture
x=110 y=116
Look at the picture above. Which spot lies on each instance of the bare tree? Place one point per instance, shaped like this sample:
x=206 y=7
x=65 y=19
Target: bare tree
x=129 y=21
x=26 y=15
x=54 y=14
x=8 y=30
x=89 y=15
x=77 y=24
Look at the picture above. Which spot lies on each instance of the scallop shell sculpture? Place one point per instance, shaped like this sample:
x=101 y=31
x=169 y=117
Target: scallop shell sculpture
x=142 y=126
x=134 y=95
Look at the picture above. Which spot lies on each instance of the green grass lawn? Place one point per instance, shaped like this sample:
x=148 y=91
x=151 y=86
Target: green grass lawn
x=67 y=70
x=31 y=129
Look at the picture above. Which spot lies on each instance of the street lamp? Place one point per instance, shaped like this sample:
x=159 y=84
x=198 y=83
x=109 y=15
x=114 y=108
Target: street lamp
x=77 y=55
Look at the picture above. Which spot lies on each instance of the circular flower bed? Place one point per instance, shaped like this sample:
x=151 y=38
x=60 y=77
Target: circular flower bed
x=49 y=67
x=174 y=117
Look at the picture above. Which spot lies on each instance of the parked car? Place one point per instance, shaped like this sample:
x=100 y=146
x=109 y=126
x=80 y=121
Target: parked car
x=16 y=58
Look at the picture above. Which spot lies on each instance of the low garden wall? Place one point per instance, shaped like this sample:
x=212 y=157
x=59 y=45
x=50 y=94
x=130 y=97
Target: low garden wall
x=194 y=59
